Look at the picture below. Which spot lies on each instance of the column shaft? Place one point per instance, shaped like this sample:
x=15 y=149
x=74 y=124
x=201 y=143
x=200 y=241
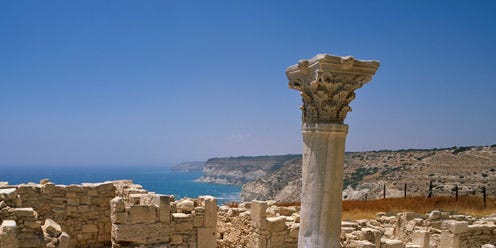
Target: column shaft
x=323 y=165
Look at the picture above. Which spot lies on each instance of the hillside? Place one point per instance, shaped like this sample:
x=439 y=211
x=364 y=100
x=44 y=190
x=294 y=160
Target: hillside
x=470 y=168
x=241 y=170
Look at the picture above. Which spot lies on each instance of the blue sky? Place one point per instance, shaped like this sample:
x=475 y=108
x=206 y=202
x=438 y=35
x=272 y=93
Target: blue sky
x=159 y=82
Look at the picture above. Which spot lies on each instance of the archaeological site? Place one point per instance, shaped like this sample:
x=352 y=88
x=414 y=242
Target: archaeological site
x=121 y=214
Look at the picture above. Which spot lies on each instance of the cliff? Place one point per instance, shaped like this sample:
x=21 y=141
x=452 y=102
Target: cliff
x=469 y=168
x=241 y=170
x=188 y=167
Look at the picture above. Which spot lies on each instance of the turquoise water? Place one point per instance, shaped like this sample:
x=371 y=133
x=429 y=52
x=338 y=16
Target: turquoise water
x=156 y=179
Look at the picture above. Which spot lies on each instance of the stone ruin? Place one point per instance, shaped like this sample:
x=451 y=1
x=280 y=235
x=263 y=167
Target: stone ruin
x=122 y=214
x=116 y=214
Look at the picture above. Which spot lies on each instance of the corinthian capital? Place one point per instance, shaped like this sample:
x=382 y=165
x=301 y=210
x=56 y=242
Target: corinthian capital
x=327 y=85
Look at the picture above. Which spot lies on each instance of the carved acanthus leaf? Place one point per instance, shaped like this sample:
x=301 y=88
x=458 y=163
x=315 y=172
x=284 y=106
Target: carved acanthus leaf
x=326 y=96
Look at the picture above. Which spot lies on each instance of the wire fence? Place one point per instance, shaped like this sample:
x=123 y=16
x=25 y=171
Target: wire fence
x=454 y=190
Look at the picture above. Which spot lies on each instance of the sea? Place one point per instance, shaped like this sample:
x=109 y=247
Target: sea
x=161 y=180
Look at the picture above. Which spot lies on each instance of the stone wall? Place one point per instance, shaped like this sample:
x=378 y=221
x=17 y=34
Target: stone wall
x=264 y=225
x=117 y=214
x=83 y=211
x=150 y=220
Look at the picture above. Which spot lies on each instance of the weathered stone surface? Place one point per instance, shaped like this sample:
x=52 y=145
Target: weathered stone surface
x=142 y=214
x=186 y=206
x=117 y=205
x=210 y=215
x=8 y=234
x=140 y=233
x=392 y=243
x=276 y=224
x=206 y=237
x=258 y=214
x=421 y=238
x=360 y=244
x=327 y=84
x=52 y=228
x=8 y=194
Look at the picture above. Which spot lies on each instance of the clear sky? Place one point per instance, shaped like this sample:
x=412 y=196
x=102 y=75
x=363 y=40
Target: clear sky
x=158 y=82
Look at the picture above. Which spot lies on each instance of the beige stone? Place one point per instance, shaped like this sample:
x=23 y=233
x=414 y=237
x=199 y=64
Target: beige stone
x=90 y=228
x=8 y=194
x=142 y=214
x=8 y=234
x=176 y=239
x=206 y=237
x=392 y=243
x=360 y=244
x=210 y=215
x=140 y=233
x=421 y=238
x=276 y=224
x=117 y=205
x=258 y=214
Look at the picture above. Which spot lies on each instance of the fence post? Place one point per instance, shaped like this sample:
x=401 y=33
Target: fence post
x=430 y=190
x=384 y=192
x=456 y=192
x=404 y=193
x=484 y=195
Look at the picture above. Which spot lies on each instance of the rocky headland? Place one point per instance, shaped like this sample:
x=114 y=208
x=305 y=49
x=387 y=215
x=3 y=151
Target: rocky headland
x=279 y=177
x=195 y=166
x=241 y=170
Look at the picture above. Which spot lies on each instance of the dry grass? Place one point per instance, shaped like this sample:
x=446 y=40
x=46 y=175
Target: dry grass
x=469 y=205
x=359 y=209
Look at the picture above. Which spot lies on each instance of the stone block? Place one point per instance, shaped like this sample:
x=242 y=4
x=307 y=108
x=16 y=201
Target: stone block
x=85 y=199
x=259 y=241
x=372 y=235
x=276 y=224
x=421 y=238
x=392 y=243
x=360 y=244
x=8 y=194
x=140 y=234
x=454 y=226
x=258 y=214
x=185 y=206
x=90 y=228
x=48 y=188
x=117 y=205
x=119 y=218
x=142 y=214
x=176 y=239
x=198 y=220
x=73 y=201
x=206 y=237
x=164 y=208
x=26 y=213
x=105 y=187
x=183 y=227
x=448 y=240
x=210 y=204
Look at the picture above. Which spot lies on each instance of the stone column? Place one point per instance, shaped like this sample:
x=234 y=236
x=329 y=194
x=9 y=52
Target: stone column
x=326 y=84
